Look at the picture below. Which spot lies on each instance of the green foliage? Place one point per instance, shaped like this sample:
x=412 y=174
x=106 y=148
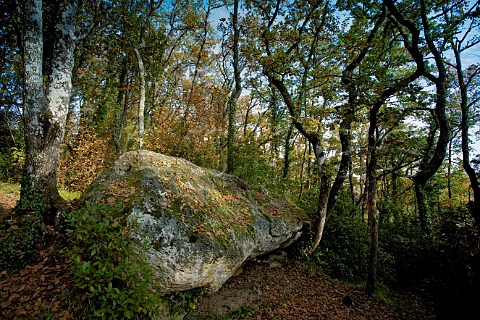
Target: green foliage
x=109 y=265
x=252 y=167
x=31 y=199
x=21 y=236
x=344 y=248
x=444 y=267
x=183 y=302
x=412 y=253
x=11 y=164
x=20 y=240
x=70 y=195
x=245 y=312
x=454 y=280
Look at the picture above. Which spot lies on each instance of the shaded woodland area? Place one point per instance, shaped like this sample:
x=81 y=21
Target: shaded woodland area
x=364 y=114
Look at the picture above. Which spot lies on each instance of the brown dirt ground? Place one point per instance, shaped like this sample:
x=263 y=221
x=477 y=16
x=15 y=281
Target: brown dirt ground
x=7 y=201
x=284 y=290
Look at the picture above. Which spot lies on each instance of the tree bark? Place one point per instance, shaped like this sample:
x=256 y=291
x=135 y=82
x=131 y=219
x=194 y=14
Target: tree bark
x=288 y=148
x=232 y=105
x=120 y=112
x=430 y=162
x=449 y=171
x=141 y=104
x=372 y=212
x=371 y=190
x=314 y=140
x=45 y=112
x=474 y=206
x=323 y=195
x=345 y=160
x=141 y=67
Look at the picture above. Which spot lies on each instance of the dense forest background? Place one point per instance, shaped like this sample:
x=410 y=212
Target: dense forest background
x=364 y=113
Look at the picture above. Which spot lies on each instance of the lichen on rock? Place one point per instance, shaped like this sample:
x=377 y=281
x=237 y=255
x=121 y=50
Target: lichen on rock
x=202 y=224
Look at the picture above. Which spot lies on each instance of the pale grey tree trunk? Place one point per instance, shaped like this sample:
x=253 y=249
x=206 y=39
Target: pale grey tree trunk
x=45 y=110
x=321 y=214
x=232 y=105
x=153 y=6
x=141 y=105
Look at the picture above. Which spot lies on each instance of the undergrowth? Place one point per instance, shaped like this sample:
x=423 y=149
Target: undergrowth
x=20 y=241
x=109 y=265
x=21 y=233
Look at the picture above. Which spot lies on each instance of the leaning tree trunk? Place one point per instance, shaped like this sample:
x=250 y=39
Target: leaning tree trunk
x=321 y=214
x=346 y=158
x=474 y=207
x=45 y=112
x=430 y=165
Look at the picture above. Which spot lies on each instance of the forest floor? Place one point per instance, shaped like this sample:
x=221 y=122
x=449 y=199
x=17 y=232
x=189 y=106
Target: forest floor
x=272 y=289
x=265 y=289
x=9 y=194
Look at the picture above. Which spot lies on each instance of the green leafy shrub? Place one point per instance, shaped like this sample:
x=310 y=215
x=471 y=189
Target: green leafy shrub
x=343 y=252
x=22 y=235
x=454 y=281
x=444 y=267
x=30 y=201
x=20 y=240
x=253 y=167
x=401 y=237
x=11 y=164
x=109 y=265
x=182 y=302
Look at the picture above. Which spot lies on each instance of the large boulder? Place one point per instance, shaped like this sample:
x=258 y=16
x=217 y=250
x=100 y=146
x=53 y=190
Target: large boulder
x=202 y=224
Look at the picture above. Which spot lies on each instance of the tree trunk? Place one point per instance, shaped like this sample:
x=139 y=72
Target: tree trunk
x=120 y=113
x=449 y=171
x=141 y=104
x=371 y=190
x=288 y=148
x=431 y=165
x=321 y=214
x=344 y=133
x=45 y=112
x=371 y=284
x=232 y=106
x=315 y=141
x=423 y=209
x=474 y=206
x=431 y=162
x=302 y=168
